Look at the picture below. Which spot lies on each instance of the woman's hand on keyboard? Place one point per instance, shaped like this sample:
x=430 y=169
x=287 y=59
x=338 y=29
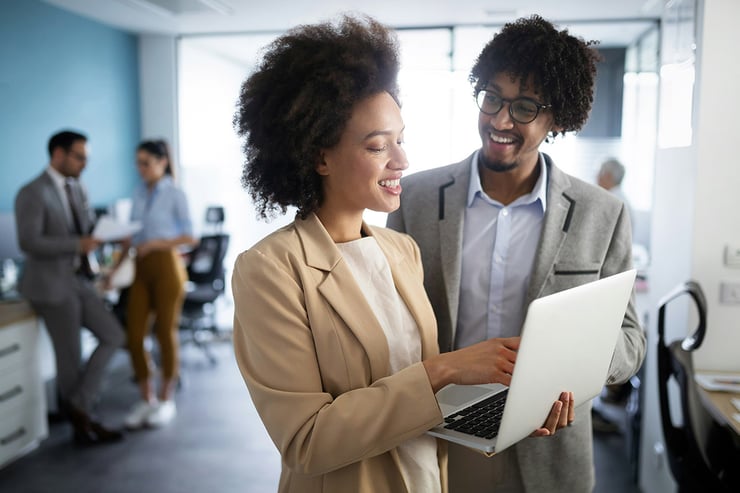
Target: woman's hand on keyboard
x=490 y=361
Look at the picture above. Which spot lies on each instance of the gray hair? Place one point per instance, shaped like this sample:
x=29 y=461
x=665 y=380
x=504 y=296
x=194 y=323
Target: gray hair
x=614 y=168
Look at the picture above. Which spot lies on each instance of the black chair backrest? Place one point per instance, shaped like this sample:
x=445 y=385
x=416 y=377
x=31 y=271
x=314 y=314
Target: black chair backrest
x=215 y=214
x=207 y=259
x=696 y=446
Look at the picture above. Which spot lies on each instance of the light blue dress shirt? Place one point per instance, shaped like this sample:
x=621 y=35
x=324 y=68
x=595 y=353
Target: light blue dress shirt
x=163 y=212
x=499 y=246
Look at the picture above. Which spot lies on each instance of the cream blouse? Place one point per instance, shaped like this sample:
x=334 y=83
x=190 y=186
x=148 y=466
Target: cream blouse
x=370 y=268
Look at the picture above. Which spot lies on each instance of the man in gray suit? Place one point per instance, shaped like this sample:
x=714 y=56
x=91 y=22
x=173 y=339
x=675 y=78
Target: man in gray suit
x=506 y=226
x=54 y=225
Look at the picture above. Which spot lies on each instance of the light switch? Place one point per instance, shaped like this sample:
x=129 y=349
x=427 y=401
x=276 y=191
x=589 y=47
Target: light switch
x=732 y=256
x=729 y=293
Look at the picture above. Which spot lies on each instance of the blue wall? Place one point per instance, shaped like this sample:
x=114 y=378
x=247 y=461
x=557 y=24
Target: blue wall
x=59 y=70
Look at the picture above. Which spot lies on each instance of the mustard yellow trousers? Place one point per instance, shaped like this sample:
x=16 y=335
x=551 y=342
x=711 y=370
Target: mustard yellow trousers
x=155 y=301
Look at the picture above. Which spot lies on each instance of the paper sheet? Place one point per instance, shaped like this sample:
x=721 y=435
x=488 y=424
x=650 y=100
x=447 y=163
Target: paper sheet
x=727 y=382
x=108 y=229
x=736 y=403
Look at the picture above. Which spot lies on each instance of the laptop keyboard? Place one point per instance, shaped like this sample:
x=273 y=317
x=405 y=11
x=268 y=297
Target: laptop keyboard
x=482 y=419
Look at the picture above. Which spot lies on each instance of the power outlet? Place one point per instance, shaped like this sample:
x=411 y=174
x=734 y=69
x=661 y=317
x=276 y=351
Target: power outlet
x=729 y=293
x=732 y=256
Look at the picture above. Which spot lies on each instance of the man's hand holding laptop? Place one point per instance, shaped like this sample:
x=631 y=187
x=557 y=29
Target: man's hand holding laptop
x=492 y=361
x=490 y=417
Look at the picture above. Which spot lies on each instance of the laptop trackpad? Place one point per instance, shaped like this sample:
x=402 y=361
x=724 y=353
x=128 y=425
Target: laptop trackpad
x=457 y=395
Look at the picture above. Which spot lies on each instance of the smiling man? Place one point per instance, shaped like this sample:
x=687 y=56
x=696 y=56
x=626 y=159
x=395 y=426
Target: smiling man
x=506 y=226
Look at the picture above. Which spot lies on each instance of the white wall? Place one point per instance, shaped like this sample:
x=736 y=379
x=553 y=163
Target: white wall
x=158 y=88
x=717 y=188
x=696 y=195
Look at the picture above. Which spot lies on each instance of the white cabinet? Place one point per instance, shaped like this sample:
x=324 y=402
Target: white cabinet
x=23 y=421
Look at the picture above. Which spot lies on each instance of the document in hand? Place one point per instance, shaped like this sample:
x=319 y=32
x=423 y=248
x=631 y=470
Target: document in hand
x=108 y=229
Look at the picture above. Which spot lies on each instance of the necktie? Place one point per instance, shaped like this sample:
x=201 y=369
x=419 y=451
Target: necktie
x=86 y=265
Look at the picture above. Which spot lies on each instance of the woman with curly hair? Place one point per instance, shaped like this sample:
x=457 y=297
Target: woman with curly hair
x=333 y=333
x=506 y=225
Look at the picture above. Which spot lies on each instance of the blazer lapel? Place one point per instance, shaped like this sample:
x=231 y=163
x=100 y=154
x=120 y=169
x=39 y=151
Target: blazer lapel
x=453 y=194
x=341 y=291
x=57 y=207
x=555 y=228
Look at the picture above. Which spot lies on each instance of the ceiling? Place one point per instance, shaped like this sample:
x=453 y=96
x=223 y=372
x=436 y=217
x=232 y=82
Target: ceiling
x=614 y=23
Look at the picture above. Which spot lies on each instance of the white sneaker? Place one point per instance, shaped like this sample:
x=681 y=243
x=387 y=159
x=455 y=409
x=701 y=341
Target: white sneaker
x=139 y=414
x=163 y=414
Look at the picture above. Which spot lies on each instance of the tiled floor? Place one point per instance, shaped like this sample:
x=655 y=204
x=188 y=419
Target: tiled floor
x=216 y=445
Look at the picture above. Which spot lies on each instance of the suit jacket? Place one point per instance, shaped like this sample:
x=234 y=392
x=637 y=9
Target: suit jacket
x=585 y=236
x=316 y=361
x=45 y=236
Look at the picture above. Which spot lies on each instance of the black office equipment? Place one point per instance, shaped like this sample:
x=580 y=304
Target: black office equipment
x=701 y=454
x=206 y=283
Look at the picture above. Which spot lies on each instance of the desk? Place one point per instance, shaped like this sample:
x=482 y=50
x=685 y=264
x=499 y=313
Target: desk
x=22 y=400
x=721 y=408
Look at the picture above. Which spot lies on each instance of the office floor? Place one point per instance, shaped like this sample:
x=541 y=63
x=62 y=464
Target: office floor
x=216 y=444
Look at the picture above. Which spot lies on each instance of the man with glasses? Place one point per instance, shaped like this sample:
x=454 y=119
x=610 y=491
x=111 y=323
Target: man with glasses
x=506 y=225
x=54 y=224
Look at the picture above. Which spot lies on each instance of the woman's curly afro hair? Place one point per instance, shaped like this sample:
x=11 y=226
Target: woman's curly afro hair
x=563 y=66
x=299 y=100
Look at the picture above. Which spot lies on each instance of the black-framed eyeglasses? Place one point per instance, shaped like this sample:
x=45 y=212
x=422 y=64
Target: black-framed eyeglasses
x=521 y=110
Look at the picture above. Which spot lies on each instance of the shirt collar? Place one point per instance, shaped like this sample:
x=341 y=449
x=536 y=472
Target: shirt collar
x=164 y=182
x=59 y=179
x=538 y=192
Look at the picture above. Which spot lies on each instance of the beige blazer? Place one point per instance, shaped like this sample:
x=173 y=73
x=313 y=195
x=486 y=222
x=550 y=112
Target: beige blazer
x=316 y=361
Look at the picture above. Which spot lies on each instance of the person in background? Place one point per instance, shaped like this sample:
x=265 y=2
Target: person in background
x=54 y=223
x=505 y=226
x=610 y=176
x=333 y=333
x=159 y=284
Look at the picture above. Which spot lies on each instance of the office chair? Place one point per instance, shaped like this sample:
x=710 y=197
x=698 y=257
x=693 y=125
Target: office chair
x=700 y=452
x=206 y=283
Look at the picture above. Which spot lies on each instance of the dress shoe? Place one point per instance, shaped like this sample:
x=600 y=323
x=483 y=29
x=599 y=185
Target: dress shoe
x=106 y=435
x=89 y=432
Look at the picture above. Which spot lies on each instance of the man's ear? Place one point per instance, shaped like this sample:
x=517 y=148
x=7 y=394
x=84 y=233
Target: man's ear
x=321 y=167
x=58 y=154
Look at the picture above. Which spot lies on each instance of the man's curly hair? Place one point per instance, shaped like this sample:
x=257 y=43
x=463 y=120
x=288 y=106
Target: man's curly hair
x=299 y=100
x=563 y=66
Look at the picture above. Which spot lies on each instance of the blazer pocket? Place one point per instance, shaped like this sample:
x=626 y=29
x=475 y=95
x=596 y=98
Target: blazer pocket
x=578 y=269
x=571 y=274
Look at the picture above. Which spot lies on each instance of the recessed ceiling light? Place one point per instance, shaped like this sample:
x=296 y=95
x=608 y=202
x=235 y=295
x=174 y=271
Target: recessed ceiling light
x=508 y=13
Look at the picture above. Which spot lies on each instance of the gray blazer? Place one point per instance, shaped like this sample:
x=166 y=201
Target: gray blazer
x=45 y=236
x=586 y=235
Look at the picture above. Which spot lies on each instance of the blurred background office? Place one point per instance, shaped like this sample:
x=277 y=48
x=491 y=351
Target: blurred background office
x=125 y=70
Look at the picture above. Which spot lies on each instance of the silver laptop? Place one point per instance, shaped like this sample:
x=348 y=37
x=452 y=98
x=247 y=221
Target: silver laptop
x=568 y=340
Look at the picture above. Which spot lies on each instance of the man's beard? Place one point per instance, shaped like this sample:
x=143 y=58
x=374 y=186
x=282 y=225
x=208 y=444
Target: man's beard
x=496 y=166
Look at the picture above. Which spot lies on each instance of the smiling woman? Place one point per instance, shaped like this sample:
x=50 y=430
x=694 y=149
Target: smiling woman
x=333 y=332
x=323 y=133
x=363 y=171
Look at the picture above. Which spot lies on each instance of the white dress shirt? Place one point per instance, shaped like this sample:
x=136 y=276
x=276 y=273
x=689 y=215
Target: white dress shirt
x=499 y=246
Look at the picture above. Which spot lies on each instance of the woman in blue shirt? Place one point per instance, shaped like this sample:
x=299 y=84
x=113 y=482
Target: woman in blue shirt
x=159 y=285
